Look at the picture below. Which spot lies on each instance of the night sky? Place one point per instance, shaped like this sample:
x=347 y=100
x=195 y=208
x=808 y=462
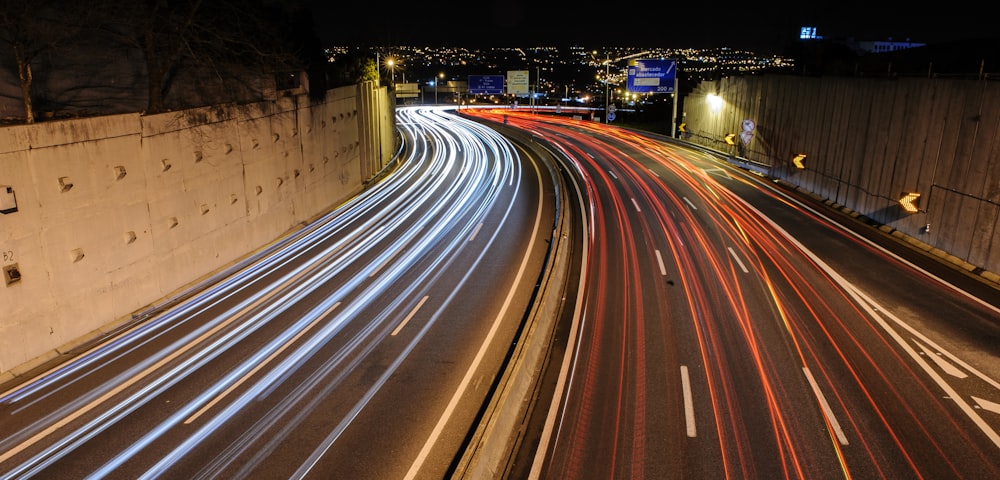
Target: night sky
x=763 y=27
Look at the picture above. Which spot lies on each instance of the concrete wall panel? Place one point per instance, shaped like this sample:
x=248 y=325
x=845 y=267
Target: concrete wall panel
x=159 y=202
x=868 y=141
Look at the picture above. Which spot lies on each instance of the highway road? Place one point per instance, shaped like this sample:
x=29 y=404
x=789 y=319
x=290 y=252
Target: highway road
x=362 y=346
x=732 y=328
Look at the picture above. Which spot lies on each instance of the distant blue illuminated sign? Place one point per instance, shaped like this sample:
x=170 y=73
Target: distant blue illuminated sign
x=486 y=84
x=809 y=33
x=652 y=76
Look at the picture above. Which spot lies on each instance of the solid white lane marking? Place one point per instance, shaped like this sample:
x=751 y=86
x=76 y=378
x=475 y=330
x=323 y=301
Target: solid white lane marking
x=659 y=259
x=476 y=232
x=826 y=408
x=987 y=405
x=943 y=364
x=688 y=403
x=481 y=353
x=882 y=316
x=738 y=261
x=549 y=431
x=409 y=316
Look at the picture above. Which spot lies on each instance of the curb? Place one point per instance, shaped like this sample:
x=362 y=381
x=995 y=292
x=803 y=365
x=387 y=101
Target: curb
x=915 y=243
x=495 y=441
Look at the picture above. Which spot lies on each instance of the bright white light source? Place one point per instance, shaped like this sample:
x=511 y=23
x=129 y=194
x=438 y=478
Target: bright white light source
x=714 y=102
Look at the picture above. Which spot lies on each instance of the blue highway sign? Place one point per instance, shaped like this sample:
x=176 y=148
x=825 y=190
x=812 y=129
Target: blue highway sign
x=652 y=76
x=486 y=84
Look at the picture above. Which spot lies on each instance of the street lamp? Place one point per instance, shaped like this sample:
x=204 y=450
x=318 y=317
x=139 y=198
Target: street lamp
x=714 y=102
x=389 y=62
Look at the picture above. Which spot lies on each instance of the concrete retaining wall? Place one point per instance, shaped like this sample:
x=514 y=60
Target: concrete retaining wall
x=867 y=141
x=116 y=213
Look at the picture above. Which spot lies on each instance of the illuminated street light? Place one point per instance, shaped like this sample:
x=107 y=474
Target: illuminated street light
x=390 y=63
x=715 y=103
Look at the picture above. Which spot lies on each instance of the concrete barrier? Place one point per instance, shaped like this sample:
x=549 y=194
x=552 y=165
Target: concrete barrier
x=119 y=213
x=497 y=437
x=869 y=141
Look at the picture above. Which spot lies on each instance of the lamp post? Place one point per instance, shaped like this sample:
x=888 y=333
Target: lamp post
x=533 y=89
x=607 y=100
x=607 y=77
x=436 y=82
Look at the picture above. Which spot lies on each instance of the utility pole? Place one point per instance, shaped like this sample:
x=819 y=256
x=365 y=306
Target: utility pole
x=607 y=78
x=673 y=122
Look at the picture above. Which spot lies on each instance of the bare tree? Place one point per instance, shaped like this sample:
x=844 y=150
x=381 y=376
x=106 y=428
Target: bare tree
x=30 y=28
x=229 y=39
x=222 y=50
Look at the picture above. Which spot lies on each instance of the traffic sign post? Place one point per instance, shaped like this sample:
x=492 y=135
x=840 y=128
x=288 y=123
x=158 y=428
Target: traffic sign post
x=655 y=76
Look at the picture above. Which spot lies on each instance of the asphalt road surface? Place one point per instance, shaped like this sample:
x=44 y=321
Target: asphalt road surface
x=363 y=346
x=730 y=328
